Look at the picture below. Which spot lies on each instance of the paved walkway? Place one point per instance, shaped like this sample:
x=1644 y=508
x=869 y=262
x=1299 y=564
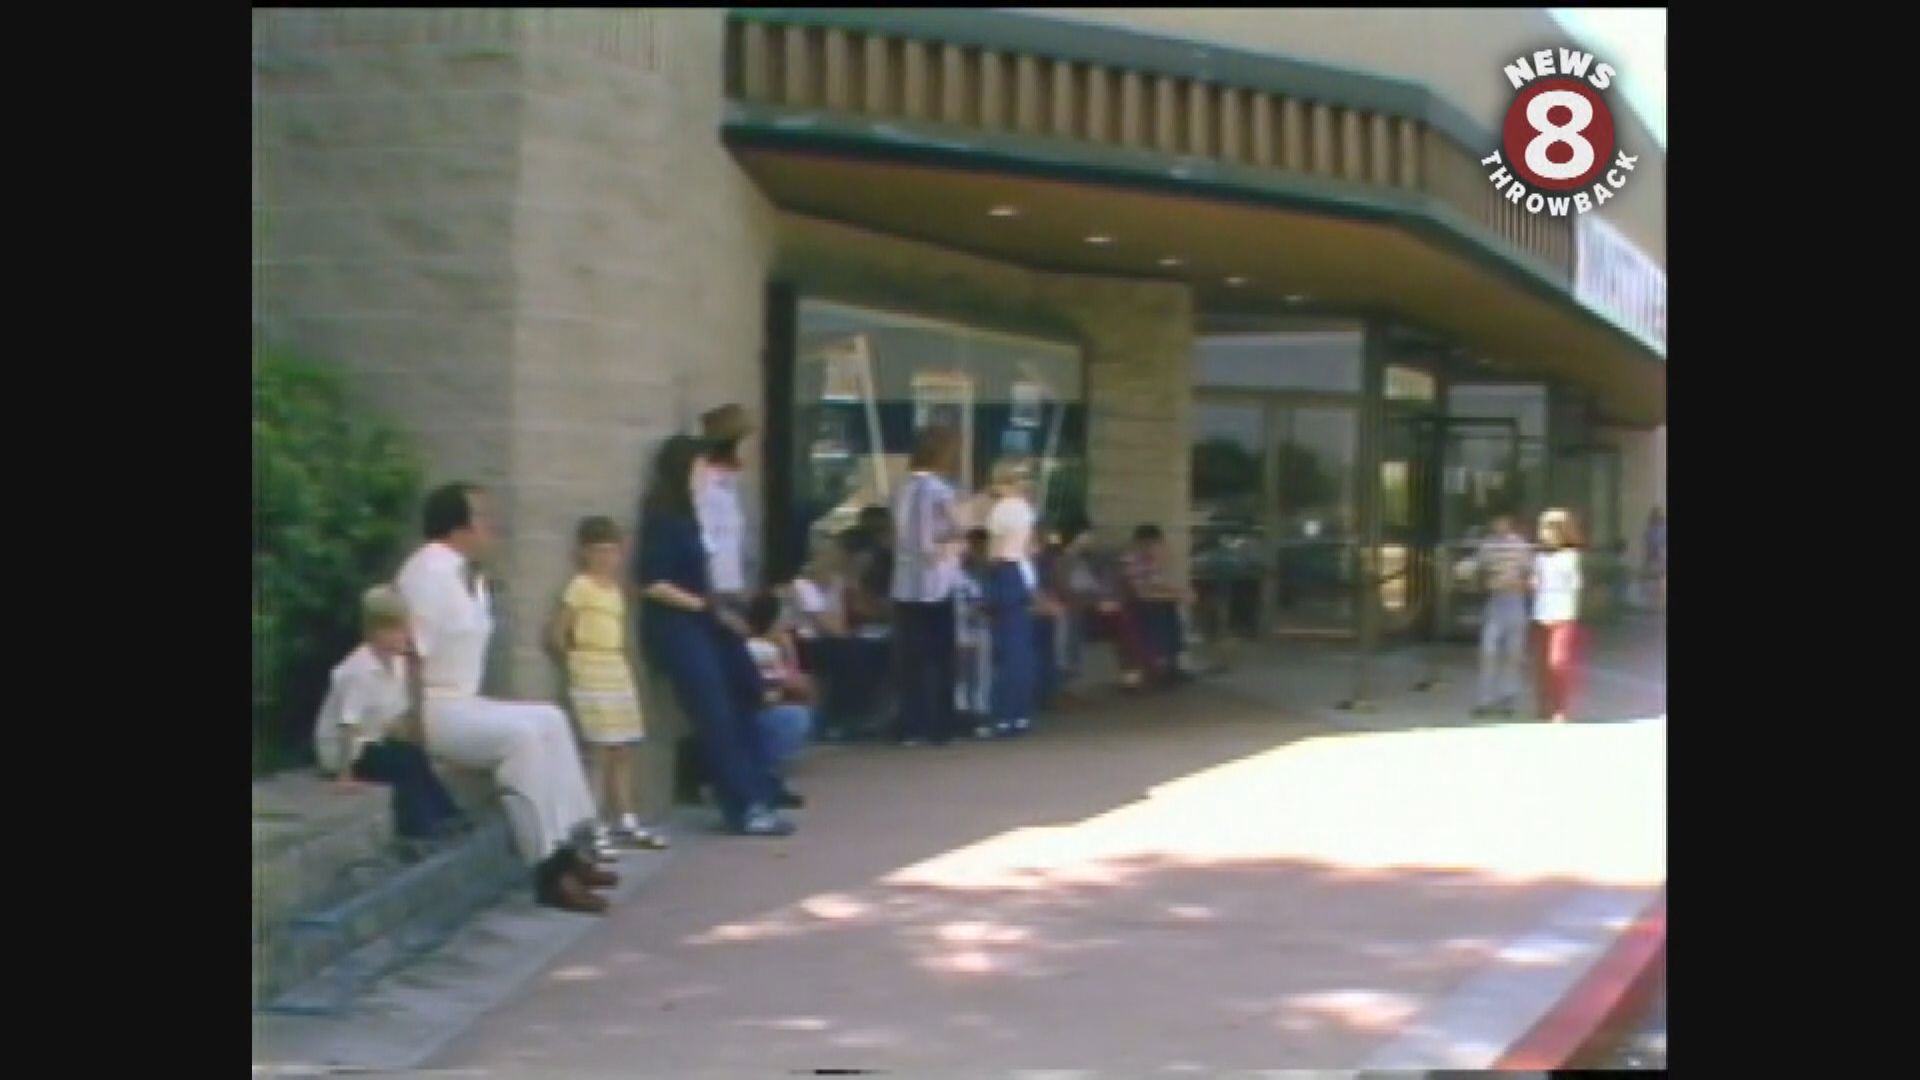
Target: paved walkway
x=1181 y=884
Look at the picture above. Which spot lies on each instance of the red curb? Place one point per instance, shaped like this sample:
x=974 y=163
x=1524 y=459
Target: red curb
x=1596 y=1012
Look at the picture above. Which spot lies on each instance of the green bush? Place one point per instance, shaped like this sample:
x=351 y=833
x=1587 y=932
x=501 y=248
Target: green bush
x=333 y=501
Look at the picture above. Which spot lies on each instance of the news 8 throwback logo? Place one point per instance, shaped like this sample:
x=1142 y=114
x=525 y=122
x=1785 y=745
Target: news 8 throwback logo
x=1557 y=148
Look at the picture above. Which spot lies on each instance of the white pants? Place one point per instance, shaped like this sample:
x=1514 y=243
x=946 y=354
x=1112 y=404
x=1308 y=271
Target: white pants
x=530 y=749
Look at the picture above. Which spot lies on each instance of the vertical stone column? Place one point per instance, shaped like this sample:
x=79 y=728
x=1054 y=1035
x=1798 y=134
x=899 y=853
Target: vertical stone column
x=1138 y=338
x=640 y=251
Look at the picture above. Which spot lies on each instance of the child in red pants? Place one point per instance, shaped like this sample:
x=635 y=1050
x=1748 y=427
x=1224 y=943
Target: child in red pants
x=1555 y=582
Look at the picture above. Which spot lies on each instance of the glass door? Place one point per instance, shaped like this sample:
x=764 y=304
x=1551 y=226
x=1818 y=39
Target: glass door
x=1230 y=514
x=1480 y=459
x=1409 y=521
x=1316 y=449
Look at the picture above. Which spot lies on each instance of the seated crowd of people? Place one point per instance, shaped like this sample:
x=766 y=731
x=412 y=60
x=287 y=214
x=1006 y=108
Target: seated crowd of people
x=837 y=615
x=915 y=623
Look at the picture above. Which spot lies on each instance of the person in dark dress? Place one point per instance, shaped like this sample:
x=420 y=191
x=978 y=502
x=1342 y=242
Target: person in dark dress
x=684 y=639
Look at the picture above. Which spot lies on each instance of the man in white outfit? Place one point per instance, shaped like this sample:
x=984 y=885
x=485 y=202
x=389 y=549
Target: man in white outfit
x=528 y=746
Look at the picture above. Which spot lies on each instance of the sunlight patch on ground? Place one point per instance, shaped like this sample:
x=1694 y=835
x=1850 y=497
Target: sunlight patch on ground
x=1371 y=1011
x=1515 y=802
x=578 y=973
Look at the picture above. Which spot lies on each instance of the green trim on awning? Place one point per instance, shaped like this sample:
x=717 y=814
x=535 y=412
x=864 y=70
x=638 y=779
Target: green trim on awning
x=770 y=127
x=1152 y=53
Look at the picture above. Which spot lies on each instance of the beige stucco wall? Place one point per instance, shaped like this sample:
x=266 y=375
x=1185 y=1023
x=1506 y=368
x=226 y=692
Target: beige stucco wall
x=520 y=235
x=1643 y=481
x=1457 y=52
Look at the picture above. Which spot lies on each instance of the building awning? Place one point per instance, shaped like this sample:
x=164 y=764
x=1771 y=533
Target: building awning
x=1248 y=243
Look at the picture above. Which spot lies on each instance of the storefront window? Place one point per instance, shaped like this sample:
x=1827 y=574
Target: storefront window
x=1526 y=405
x=1317 y=361
x=1410 y=384
x=868 y=381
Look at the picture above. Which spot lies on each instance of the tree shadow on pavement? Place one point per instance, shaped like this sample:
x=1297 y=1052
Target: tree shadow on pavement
x=1180 y=883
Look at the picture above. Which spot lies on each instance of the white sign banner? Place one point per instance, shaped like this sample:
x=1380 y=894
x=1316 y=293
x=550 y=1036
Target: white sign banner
x=1618 y=280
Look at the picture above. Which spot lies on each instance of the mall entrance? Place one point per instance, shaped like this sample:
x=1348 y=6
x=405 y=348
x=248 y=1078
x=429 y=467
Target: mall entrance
x=1289 y=515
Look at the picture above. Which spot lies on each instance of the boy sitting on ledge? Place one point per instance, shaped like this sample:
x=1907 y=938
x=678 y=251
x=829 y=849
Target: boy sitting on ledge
x=369 y=725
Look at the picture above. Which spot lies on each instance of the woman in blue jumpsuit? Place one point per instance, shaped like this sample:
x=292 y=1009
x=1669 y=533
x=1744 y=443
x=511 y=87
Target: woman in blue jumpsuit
x=685 y=640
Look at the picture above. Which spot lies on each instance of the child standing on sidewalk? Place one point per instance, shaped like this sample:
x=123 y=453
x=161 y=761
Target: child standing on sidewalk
x=589 y=629
x=972 y=639
x=1556 y=610
x=1503 y=561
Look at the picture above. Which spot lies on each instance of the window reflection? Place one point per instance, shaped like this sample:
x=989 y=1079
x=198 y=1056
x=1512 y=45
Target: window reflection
x=867 y=381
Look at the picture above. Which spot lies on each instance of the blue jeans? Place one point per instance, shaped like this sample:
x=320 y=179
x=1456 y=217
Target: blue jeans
x=1503 y=647
x=1016 y=668
x=924 y=648
x=715 y=682
x=421 y=806
x=784 y=730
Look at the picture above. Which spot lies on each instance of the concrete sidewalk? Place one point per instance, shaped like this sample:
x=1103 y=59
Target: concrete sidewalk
x=1182 y=884
x=1623 y=677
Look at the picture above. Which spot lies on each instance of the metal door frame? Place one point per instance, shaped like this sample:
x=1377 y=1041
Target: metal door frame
x=1272 y=403
x=1445 y=617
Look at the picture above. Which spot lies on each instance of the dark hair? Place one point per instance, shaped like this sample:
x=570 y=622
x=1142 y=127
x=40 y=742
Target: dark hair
x=976 y=536
x=1148 y=533
x=724 y=452
x=596 y=530
x=448 y=509
x=936 y=450
x=762 y=612
x=670 y=490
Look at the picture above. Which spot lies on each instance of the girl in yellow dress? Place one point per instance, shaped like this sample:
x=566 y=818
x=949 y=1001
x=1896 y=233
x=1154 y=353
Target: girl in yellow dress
x=589 y=629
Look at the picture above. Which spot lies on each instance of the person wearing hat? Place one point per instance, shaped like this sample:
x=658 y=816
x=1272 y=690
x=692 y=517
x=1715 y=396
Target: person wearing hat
x=723 y=522
x=723 y=530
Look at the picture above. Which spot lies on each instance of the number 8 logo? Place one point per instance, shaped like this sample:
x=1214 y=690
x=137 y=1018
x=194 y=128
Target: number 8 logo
x=1552 y=134
x=1558 y=135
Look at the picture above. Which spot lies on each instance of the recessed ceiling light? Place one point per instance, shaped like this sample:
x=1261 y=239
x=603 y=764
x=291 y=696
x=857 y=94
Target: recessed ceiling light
x=1296 y=298
x=1236 y=281
x=1004 y=211
x=1099 y=238
x=1173 y=260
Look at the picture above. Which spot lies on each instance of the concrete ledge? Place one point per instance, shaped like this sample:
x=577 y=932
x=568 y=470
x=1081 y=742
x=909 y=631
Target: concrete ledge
x=1599 y=1010
x=409 y=1015
x=1582 y=975
x=315 y=845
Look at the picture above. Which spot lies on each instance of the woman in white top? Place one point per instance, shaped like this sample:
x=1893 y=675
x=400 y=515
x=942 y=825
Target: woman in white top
x=1009 y=594
x=1556 y=610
